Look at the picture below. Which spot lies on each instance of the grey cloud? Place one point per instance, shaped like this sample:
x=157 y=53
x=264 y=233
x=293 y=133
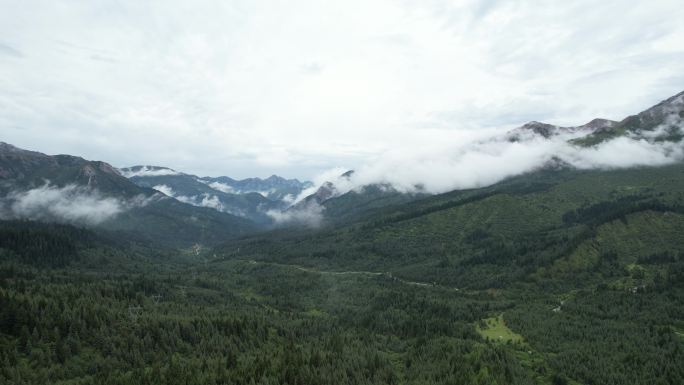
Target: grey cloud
x=102 y=58
x=483 y=7
x=10 y=51
x=312 y=68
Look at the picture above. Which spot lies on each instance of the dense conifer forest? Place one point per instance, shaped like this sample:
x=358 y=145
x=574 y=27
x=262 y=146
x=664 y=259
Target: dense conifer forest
x=471 y=287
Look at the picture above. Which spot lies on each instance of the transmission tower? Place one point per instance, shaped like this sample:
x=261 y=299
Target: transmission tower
x=156 y=298
x=134 y=312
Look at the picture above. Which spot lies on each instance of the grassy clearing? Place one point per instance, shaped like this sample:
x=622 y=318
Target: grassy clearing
x=678 y=332
x=316 y=313
x=495 y=329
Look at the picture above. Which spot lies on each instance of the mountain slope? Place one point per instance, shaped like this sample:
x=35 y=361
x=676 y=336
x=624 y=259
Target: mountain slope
x=656 y=134
x=171 y=223
x=22 y=168
x=549 y=130
x=64 y=188
x=357 y=204
x=662 y=122
x=519 y=228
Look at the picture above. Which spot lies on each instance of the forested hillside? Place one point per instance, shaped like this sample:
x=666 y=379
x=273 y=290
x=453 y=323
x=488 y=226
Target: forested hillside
x=556 y=277
x=553 y=225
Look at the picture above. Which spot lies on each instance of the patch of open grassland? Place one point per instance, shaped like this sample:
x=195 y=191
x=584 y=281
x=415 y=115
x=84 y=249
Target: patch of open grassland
x=495 y=329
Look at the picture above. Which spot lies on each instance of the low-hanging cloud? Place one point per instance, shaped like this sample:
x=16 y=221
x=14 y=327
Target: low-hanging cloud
x=220 y=187
x=148 y=171
x=445 y=167
x=69 y=204
x=309 y=214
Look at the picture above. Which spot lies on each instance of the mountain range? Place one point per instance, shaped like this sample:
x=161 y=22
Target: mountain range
x=70 y=189
x=557 y=275
x=250 y=198
x=161 y=204
x=662 y=123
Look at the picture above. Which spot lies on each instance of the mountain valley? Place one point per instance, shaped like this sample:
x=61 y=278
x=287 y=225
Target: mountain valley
x=563 y=273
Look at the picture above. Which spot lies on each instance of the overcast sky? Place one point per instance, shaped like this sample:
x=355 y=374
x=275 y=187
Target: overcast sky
x=252 y=88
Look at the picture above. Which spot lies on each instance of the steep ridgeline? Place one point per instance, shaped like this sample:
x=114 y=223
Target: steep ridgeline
x=661 y=124
x=70 y=189
x=549 y=130
x=249 y=198
x=274 y=187
x=28 y=169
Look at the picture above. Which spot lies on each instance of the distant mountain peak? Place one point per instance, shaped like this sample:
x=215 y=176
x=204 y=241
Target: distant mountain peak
x=251 y=198
x=662 y=122
x=6 y=148
x=544 y=129
x=599 y=124
x=325 y=191
x=547 y=130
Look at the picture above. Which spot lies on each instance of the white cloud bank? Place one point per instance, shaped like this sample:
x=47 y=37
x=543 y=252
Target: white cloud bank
x=68 y=204
x=148 y=171
x=220 y=187
x=310 y=215
x=443 y=167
